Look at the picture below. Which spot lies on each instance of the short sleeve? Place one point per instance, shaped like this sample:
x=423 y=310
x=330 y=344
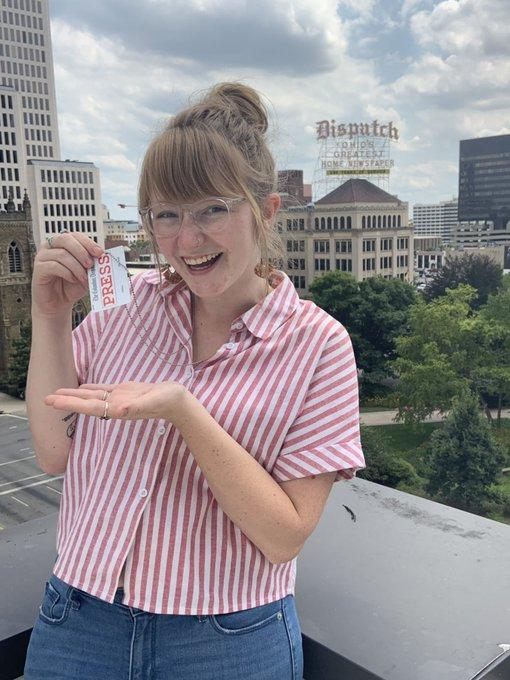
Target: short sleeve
x=85 y=340
x=325 y=435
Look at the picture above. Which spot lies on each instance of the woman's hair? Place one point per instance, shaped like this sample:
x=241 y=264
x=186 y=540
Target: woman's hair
x=216 y=147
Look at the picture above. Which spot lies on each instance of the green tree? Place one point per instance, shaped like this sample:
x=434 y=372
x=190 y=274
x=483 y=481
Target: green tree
x=20 y=357
x=465 y=458
x=383 y=467
x=374 y=312
x=476 y=270
x=450 y=348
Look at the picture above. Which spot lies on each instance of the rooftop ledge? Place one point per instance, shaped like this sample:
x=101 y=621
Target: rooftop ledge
x=390 y=586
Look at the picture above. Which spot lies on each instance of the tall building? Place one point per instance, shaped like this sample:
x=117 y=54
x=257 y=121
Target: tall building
x=65 y=194
x=357 y=228
x=484 y=191
x=12 y=148
x=26 y=64
x=29 y=143
x=436 y=219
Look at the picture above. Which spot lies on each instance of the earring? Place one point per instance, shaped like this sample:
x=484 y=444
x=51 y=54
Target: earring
x=264 y=270
x=171 y=275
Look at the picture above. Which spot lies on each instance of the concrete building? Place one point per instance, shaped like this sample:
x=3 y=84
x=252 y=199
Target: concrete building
x=26 y=65
x=30 y=145
x=65 y=195
x=429 y=257
x=356 y=228
x=12 y=149
x=436 y=219
x=122 y=230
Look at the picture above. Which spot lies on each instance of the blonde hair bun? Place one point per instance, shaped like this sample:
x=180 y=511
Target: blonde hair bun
x=224 y=106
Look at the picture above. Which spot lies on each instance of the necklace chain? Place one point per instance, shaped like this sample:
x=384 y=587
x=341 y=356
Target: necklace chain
x=141 y=321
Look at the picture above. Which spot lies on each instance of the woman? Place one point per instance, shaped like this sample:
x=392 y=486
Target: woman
x=215 y=411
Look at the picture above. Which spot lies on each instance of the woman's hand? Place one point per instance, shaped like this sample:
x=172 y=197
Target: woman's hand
x=126 y=401
x=60 y=272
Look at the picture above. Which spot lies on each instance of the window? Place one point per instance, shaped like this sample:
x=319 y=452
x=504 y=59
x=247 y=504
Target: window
x=322 y=264
x=296 y=263
x=343 y=246
x=344 y=264
x=368 y=245
x=15 y=264
x=321 y=246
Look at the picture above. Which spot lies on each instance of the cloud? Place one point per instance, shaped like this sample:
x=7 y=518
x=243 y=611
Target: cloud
x=289 y=36
x=396 y=60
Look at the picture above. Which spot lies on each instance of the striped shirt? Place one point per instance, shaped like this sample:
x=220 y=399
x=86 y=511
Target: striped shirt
x=284 y=387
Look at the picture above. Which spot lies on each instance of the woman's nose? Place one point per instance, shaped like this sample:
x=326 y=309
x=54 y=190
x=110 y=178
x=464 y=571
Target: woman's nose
x=189 y=231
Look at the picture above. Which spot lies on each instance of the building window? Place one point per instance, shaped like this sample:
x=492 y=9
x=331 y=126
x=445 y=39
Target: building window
x=322 y=264
x=343 y=246
x=296 y=263
x=349 y=222
x=298 y=281
x=369 y=264
x=321 y=246
x=363 y=222
x=368 y=245
x=386 y=262
x=14 y=258
x=344 y=264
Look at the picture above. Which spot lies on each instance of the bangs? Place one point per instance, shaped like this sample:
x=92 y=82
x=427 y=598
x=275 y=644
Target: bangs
x=183 y=165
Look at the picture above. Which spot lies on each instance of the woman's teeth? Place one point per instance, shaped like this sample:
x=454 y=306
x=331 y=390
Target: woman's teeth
x=200 y=260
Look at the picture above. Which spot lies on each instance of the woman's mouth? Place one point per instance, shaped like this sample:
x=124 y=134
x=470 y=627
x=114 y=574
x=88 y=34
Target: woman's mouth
x=203 y=267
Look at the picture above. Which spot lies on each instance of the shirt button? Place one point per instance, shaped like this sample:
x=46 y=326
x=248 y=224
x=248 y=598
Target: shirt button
x=143 y=493
x=161 y=430
x=229 y=345
x=237 y=326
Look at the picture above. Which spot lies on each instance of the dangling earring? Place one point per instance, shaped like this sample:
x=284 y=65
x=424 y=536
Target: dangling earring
x=171 y=275
x=264 y=270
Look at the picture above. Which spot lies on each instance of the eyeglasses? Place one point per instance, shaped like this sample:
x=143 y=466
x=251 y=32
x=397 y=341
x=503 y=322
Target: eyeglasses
x=212 y=215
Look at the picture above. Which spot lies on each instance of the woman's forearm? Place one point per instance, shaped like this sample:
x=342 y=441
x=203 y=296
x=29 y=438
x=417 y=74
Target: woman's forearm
x=244 y=490
x=51 y=366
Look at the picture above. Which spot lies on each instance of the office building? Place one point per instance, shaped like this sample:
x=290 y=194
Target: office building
x=65 y=194
x=357 y=228
x=484 y=192
x=436 y=219
x=30 y=145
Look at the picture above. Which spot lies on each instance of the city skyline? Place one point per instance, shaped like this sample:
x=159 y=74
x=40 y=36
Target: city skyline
x=437 y=69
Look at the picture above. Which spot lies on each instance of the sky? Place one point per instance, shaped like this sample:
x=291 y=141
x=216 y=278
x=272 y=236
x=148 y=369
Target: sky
x=439 y=69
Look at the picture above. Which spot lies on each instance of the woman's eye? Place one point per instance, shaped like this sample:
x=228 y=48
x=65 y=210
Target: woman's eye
x=214 y=210
x=166 y=215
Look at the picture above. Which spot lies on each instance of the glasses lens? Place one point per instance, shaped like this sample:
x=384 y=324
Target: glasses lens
x=211 y=216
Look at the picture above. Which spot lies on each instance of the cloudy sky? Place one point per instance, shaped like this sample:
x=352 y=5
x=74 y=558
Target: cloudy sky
x=440 y=69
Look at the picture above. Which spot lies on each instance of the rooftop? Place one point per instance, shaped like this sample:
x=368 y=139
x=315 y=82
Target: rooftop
x=357 y=191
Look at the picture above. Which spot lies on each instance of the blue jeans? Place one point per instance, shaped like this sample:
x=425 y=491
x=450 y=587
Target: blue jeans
x=80 y=637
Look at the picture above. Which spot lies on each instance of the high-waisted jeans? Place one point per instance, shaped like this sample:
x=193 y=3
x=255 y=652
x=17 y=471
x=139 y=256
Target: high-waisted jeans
x=80 y=637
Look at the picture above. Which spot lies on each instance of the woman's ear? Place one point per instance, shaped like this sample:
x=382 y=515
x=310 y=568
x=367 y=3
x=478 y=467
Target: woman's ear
x=271 y=205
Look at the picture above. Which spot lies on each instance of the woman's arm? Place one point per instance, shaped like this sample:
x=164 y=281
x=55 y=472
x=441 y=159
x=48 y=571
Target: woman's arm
x=277 y=518
x=51 y=365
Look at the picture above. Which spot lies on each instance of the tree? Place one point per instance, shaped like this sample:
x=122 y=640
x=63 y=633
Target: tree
x=465 y=458
x=450 y=348
x=476 y=270
x=374 y=312
x=383 y=467
x=20 y=357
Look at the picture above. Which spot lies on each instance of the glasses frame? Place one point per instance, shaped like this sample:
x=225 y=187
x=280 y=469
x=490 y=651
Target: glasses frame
x=185 y=208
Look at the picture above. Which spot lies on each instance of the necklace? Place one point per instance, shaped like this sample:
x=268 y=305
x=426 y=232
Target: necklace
x=142 y=324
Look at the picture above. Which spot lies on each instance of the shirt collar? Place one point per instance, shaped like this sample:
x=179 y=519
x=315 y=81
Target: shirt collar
x=261 y=320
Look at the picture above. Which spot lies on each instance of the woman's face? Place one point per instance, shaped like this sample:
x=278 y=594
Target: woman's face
x=236 y=243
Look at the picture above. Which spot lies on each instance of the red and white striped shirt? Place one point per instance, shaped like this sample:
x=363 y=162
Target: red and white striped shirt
x=284 y=387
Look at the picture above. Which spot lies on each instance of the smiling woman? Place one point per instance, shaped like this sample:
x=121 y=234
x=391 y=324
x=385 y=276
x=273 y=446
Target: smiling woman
x=197 y=471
